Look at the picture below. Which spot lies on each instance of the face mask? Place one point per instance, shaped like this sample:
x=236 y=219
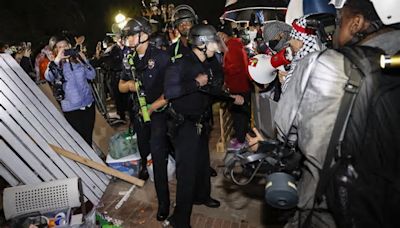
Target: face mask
x=277 y=45
x=252 y=35
x=272 y=43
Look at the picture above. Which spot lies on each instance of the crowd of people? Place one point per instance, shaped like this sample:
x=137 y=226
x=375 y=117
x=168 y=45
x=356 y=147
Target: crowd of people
x=168 y=81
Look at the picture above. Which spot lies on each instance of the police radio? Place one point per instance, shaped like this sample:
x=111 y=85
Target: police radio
x=140 y=93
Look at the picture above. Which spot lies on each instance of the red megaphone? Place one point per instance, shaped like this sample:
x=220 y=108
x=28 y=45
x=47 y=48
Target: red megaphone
x=283 y=57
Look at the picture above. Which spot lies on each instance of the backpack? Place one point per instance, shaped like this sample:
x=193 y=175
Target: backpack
x=362 y=187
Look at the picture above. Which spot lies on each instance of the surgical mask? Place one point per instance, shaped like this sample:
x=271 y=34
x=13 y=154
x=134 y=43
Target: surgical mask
x=252 y=35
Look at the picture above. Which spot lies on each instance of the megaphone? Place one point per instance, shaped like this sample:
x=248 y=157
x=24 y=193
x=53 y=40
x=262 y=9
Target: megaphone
x=262 y=68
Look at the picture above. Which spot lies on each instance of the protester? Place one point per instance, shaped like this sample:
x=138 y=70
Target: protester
x=303 y=41
x=237 y=80
x=43 y=58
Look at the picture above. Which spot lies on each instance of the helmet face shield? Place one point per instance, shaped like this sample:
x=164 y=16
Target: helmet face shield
x=131 y=41
x=206 y=35
x=184 y=27
x=183 y=13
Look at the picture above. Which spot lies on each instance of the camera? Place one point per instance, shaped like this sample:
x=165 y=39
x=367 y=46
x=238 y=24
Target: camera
x=58 y=90
x=73 y=52
x=279 y=163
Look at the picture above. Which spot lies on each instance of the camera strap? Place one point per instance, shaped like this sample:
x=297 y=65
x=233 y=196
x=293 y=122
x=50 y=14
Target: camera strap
x=56 y=70
x=351 y=90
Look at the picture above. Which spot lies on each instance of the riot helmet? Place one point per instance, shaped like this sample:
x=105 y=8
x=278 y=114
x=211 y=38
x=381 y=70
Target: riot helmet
x=183 y=13
x=205 y=37
x=137 y=25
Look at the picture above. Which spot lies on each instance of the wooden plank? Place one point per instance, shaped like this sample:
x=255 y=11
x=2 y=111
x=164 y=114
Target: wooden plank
x=102 y=131
x=9 y=177
x=34 y=99
x=41 y=137
x=39 y=162
x=15 y=165
x=15 y=74
x=95 y=165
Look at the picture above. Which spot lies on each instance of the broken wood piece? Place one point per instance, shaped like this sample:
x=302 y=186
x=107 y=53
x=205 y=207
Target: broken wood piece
x=125 y=198
x=97 y=166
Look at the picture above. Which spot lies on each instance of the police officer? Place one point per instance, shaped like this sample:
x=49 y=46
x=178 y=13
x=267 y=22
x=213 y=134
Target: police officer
x=111 y=61
x=183 y=19
x=144 y=76
x=185 y=87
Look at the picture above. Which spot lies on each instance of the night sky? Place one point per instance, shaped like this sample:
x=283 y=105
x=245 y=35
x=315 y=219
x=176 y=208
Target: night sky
x=37 y=20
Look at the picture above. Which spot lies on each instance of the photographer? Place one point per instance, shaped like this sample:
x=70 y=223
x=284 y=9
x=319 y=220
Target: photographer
x=71 y=68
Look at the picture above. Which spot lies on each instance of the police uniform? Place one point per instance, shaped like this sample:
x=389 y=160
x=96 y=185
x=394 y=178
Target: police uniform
x=177 y=50
x=191 y=136
x=151 y=136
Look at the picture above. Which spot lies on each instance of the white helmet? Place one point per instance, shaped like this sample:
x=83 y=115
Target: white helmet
x=261 y=69
x=387 y=10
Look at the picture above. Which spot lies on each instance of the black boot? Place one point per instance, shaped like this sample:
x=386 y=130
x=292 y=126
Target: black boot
x=163 y=212
x=143 y=174
x=210 y=202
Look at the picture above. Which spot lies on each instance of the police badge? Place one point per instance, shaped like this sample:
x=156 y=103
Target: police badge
x=151 y=63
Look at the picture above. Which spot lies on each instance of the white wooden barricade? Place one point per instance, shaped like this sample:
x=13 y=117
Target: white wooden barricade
x=29 y=122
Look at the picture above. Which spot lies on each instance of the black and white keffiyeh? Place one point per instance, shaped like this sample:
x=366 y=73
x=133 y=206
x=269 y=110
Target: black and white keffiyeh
x=310 y=44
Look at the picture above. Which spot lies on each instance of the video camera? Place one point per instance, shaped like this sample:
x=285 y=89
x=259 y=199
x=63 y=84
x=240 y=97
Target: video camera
x=278 y=162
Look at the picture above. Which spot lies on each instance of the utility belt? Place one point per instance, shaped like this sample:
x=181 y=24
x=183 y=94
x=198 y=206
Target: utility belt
x=175 y=120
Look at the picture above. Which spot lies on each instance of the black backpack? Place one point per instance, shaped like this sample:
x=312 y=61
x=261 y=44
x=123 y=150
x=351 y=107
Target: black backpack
x=362 y=187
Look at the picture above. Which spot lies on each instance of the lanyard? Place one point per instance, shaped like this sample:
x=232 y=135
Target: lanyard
x=176 y=55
